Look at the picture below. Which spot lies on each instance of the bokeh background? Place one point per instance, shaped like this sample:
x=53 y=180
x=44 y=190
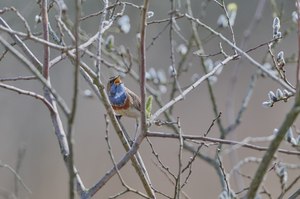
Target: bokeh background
x=25 y=123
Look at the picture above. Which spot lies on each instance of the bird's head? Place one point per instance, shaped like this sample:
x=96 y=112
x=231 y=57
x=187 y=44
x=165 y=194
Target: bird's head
x=115 y=80
x=115 y=85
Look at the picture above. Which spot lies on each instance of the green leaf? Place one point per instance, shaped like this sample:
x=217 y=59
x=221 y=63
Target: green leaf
x=149 y=106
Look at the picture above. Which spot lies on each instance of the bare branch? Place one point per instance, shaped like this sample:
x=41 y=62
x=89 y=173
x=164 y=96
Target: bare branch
x=33 y=69
x=190 y=88
x=254 y=62
x=217 y=140
x=17 y=78
x=178 y=178
x=16 y=175
x=29 y=93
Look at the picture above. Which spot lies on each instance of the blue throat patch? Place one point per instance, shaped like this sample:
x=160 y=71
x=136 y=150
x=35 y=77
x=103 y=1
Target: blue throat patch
x=117 y=94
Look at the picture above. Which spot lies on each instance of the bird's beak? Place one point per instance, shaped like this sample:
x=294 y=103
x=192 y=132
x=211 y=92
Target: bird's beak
x=117 y=81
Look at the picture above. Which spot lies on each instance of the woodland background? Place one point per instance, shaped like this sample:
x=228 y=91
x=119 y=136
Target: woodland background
x=26 y=126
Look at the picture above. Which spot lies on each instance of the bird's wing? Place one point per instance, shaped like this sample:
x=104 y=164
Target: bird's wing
x=136 y=101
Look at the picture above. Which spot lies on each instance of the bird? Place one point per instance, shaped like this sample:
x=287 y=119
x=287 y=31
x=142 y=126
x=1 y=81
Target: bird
x=123 y=101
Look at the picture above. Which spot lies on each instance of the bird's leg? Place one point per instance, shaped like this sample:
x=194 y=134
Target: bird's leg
x=124 y=130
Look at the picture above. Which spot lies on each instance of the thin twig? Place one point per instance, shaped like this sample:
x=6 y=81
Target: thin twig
x=32 y=37
x=113 y=6
x=241 y=52
x=16 y=175
x=157 y=36
x=192 y=159
x=17 y=78
x=217 y=140
x=262 y=169
x=289 y=187
x=71 y=118
x=127 y=188
x=29 y=93
x=22 y=45
x=20 y=158
x=245 y=161
x=295 y=195
x=173 y=72
x=180 y=70
x=199 y=45
x=244 y=105
x=142 y=53
x=224 y=174
x=190 y=88
x=164 y=168
x=229 y=24
x=35 y=71
x=298 y=62
x=99 y=38
x=20 y=16
x=178 y=178
x=164 y=20
x=62 y=5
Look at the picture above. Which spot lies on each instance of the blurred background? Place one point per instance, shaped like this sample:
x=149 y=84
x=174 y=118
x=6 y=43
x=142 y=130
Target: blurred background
x=25 y=124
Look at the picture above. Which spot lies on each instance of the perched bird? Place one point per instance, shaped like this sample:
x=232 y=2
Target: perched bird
x=123 y=101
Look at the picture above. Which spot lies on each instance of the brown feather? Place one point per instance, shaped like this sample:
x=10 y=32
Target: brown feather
x=135 y=100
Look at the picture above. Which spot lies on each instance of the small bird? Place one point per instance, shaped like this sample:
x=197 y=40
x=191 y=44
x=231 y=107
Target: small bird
x=123 y=101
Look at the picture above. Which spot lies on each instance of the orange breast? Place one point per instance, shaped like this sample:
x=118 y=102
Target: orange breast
x=127 y=109
x=122 y=107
